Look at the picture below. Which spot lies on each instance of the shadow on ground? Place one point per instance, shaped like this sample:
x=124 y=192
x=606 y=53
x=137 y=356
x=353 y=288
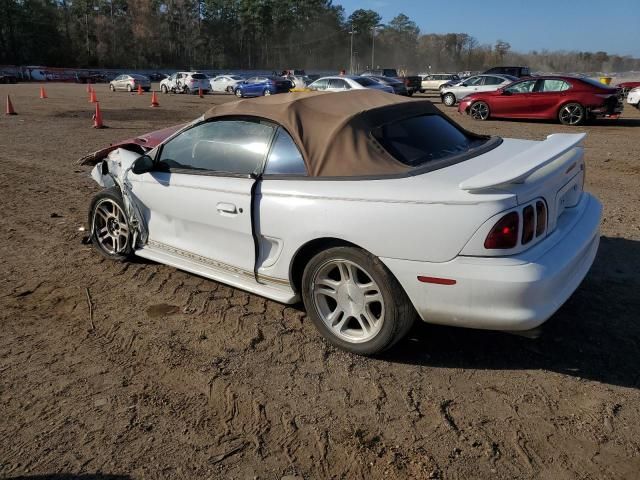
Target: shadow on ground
x=595 y=335
x=69 y=476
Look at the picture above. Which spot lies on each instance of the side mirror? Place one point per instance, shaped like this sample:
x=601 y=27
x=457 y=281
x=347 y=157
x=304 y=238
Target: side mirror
x=143 y=164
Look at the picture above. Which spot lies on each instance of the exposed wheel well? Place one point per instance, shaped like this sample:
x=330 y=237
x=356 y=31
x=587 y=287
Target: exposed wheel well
x=307 y=252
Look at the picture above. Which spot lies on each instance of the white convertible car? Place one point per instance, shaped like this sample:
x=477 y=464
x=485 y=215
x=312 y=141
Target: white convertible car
x=372 y=208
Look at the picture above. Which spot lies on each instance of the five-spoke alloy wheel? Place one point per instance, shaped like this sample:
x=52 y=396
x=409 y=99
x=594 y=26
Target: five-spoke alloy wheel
x=571 y=114
x=354 y=301
x=110 y=231
x=479 y=111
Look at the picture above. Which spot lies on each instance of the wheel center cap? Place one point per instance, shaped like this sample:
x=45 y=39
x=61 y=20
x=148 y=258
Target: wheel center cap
x=113 y=226
x=351 y=298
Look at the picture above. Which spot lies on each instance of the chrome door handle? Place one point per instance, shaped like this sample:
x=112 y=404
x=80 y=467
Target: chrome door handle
x=228 y=208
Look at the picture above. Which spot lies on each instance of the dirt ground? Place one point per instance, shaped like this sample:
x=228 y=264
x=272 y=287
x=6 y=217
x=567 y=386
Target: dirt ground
x=183 y=377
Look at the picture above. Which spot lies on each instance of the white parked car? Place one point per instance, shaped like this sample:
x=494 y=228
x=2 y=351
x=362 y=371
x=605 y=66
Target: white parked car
x=341 y=83
x=433 y=81
x=452 y=94
x=224 y=83
x=185 y=82
x=633 y=98
x=372 y=208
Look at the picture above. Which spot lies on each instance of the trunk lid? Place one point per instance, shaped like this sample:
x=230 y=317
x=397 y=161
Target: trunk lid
x=552 y=170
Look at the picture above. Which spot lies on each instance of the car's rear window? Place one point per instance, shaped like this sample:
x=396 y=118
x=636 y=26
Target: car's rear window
x=199 y=76
x=420 y=140
x=365 y=82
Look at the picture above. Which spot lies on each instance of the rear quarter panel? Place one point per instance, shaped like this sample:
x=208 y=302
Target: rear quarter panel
x=395 y=218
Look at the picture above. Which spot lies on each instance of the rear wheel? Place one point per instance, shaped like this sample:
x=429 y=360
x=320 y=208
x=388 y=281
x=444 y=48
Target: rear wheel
x=479 y=111
x=129 y=88
x=110 y=232
x=449 y=99
x=354 y=301
x=267 y=92
x=186 y=90
x=112 y=88
x=571 y=114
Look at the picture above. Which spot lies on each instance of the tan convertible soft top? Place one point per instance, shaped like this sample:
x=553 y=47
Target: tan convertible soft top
x=333 y=130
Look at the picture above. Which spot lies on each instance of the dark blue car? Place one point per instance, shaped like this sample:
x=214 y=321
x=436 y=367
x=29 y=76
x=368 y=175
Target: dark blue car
x=258 y=86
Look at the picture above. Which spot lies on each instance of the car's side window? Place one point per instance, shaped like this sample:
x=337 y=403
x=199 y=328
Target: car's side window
x=492 y=80
x=554 y=86
x=226 y=146
x=285 y=158
x=522 y=87
x=338 y=84
x=473 y=81
x=320 y=84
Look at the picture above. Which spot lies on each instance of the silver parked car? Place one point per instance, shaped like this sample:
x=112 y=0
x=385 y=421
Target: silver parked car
x=343 y=83
x=451 y=94
x=130 y=82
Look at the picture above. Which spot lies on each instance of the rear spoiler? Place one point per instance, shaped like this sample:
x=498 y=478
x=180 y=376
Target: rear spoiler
x=518 y=168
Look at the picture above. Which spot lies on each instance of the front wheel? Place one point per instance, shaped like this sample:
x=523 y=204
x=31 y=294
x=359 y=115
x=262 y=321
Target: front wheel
x=571 y=114
x=238 y=93
x=479 y=111
x=449 y=99
x=354 y=301
x=129 y=88
x=110 y=231
x=164 y=89
x=112 y=88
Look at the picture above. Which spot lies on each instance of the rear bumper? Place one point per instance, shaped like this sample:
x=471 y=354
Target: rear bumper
x=508 y=293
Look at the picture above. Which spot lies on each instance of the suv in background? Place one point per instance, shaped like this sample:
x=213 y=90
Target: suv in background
x=413 y=83
x=185 y=82
x=435 y=81
x=513 y=71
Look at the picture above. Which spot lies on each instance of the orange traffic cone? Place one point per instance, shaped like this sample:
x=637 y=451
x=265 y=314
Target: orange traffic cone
x=43 y=94
x=154 y=100
x=200 y=92
x=92 y=97
x=97 y=117
x=139 y=89
x=10 y=110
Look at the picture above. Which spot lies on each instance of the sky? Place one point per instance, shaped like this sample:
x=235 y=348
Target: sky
x=582 y=25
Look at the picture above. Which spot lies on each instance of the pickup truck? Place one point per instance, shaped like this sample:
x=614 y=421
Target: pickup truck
x=413 y=83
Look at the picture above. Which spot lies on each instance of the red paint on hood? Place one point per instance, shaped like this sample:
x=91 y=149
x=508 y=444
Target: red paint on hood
x=141 y=144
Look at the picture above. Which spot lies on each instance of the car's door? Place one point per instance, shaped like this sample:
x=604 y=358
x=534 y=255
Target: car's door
x=116 y=82
x=469 y=86
x=515 y=100
x=547 y=94
x=197 y=202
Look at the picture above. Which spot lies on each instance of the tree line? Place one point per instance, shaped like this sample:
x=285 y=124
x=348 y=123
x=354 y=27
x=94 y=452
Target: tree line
x=252 y=34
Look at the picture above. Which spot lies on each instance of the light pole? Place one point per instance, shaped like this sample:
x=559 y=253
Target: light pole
x=352 y=33
x=374 y=29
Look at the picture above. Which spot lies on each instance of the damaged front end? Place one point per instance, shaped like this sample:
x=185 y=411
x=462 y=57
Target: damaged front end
x=113 y=171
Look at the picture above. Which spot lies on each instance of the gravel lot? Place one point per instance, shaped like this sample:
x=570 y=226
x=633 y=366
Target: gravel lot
x=182 y=377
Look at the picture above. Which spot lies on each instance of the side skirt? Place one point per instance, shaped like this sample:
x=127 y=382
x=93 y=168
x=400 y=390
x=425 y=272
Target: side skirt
x=272 y=288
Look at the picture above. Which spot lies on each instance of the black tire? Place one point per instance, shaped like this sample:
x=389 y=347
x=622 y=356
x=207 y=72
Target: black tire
x=266 y=92
x=129 y=88
x=186 y=90
x=399 y=313
x=112 y=88
x=449 y=99
x=410 y=93
x=479 y=111
x=164 y=89
x=572 y=114
x=109 y=196
x=238 y=93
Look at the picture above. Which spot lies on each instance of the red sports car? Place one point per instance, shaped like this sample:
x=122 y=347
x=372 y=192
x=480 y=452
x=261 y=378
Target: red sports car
x=570 y=100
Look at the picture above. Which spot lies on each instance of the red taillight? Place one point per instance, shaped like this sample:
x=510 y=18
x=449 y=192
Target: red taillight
x=504 y=234
x=541 y=214
x=528 y=224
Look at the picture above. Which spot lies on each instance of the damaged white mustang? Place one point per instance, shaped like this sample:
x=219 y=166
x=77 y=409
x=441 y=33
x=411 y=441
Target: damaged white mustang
x=371 y=208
